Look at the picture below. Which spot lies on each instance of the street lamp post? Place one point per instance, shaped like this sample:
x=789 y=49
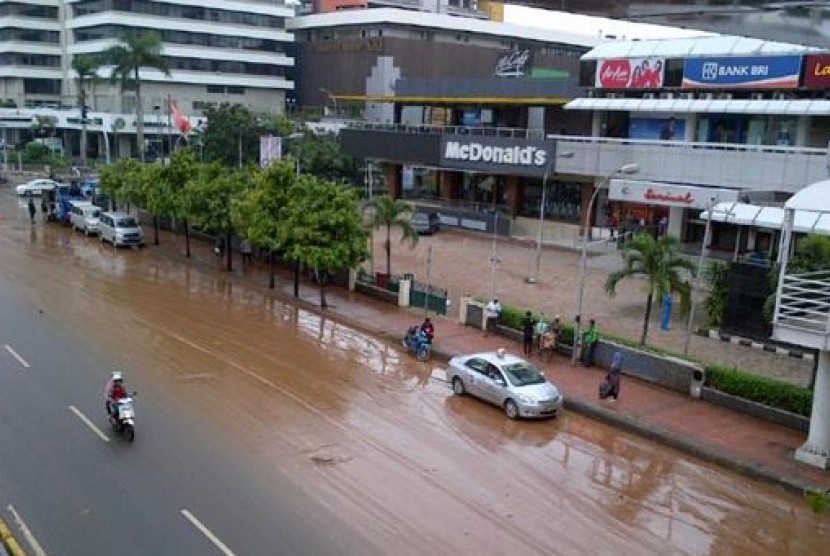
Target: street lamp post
x=535 y=278
x=703 y=250
x=625 y=169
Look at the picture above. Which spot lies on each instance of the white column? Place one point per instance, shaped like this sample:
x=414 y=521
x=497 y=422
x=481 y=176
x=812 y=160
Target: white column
x=675 y=222
x=816 y=451
x=404 y=287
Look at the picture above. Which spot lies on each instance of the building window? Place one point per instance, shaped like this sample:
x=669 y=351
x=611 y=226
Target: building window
x=42 y=86
x=562 y=202
x=216 y=89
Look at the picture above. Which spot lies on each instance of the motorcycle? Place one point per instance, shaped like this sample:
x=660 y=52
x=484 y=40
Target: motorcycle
x=417 y=343
x=124 y=424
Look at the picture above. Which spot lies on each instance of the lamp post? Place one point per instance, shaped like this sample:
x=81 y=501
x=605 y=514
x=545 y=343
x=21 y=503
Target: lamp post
x=331 y=96
x=297 y=135
x=710 y=208
x=535 y=278
x=625 y=169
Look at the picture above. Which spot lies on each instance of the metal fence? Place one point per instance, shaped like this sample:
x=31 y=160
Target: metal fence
x=429 y=297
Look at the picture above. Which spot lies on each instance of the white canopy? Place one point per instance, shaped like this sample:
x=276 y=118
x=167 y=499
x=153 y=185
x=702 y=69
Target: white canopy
x=742 y=214
x=716 y=45
x=791 y=107
x=813 y=198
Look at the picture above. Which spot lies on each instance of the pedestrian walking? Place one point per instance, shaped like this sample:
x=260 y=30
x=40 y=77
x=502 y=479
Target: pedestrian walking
x=32 y=210
x=610 y=387
x=589 y=344
x=247 y=252
x=528 y=328
x=493 y=313
x=219 y=246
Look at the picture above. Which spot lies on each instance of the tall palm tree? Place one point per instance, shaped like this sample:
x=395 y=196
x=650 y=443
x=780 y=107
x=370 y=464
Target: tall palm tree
x=136 y=51
x=386 y=212
x=86 y=67
x=664 y=269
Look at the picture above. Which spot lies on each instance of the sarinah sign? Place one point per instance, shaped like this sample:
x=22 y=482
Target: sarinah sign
x=630 y=73
x=817 y=71
x=655 y=193
x=742 y=72
x=496 y=154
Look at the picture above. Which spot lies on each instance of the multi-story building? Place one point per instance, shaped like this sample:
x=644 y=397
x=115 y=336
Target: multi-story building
x=218 y=51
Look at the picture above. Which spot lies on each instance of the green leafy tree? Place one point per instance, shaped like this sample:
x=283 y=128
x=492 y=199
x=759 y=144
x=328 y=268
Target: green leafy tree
x=323 y=229
x=209 y=199
x=664 y=269
x=158 y=196
x=322 y=156
x=717 y=279
x=177 y=176
x=86 y=68
x=232 y=135
x=121 y=182
x=137 y=50
x=388 y=213
x=259 y=211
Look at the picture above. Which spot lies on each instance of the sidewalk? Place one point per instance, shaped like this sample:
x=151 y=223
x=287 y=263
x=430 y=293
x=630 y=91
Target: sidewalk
x=743 y=443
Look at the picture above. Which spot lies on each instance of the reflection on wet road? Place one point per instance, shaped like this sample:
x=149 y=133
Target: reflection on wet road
x=362 y=429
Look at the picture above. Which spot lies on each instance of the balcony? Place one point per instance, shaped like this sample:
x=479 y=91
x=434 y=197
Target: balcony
x=802 y=314
x=770 y=167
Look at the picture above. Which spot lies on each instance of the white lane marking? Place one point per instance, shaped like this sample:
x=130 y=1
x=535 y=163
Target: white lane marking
x=207 y=533
x=37 y=550
x=89 y=423
x=16 y=356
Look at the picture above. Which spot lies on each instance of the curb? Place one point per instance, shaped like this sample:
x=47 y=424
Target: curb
x=10 y=546
x=778 y=349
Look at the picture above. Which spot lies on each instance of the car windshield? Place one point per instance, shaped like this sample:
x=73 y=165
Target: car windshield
x=94 y=213
x=126 y=222
x=523 y=374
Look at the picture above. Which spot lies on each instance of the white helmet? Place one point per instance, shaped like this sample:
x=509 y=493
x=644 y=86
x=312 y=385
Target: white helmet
x=116 y=375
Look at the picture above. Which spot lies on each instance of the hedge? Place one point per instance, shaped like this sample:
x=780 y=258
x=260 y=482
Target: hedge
x=729 y=380
x=761 y=389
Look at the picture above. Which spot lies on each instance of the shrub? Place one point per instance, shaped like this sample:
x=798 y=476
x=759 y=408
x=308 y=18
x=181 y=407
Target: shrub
x=764 y=390
x=717 y=278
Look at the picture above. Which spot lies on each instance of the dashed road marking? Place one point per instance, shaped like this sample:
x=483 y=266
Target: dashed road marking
x=86 y=421
x=207 y=533
x=16 y=356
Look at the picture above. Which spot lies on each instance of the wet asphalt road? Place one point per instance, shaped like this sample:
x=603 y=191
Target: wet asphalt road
x=282 y=432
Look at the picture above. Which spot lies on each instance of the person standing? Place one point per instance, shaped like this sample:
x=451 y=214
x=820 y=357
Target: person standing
x=493 y=312
x=528 y=325
x=590 y=344
x=614 y=376
x=541 y=329
x=32 y=209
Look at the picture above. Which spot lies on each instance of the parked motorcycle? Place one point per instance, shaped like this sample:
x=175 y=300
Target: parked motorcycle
x=124 y=424
x=417 y=343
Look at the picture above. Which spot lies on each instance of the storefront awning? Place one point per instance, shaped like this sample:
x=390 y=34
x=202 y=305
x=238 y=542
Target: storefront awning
x=800 y=107
x=743 y=214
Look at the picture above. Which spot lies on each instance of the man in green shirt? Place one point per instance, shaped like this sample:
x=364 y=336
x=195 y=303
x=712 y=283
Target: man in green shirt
x=589 y=346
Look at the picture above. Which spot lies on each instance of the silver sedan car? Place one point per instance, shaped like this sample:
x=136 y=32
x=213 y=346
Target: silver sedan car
x=507 y=381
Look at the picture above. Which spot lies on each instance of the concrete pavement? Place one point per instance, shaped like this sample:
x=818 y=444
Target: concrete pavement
x=743 y=443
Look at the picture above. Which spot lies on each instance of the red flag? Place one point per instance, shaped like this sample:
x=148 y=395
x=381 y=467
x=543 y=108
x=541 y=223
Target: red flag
x=182 y=122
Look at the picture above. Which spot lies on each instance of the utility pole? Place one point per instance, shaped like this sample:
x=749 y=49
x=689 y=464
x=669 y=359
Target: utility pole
x=429 y=270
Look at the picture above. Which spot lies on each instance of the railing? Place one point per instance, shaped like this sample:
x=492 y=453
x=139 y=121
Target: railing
x=805 y=302
x=476 y=131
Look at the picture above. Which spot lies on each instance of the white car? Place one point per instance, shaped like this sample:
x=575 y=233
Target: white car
x=36 y=187
x=84 y=216
x=507 y=381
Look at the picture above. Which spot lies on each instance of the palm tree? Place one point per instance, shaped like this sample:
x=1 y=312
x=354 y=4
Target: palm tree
x=385 y=212
x=86 y=67
x=136 y=51
x=661 y=265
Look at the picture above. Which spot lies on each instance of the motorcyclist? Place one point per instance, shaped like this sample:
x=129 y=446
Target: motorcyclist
x=114 y=391
x=428 y=330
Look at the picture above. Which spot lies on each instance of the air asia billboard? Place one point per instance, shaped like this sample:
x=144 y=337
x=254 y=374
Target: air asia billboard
x=496 y=155
x=631 y=73
x=817 y=71
x=742 y=72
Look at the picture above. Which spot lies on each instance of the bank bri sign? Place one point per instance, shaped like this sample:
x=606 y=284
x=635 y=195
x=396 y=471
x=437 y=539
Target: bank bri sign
x=742 y=72
x=496 y=155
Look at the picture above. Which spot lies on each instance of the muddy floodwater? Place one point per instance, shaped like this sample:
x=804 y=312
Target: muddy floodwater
x=363 y=429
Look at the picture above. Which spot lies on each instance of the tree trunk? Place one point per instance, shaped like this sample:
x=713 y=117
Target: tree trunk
x=139 y=117
x=186 y=239
x=649 y=300
x=272 y=260
x=388 y=246
x=229 y=267
x=297 y=278
x=155 y=230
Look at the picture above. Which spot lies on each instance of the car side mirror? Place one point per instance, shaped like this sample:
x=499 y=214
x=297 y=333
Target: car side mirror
x=500 y=382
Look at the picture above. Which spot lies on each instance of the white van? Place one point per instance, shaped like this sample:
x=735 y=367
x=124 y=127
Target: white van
x=84 y=216
x=120 y=228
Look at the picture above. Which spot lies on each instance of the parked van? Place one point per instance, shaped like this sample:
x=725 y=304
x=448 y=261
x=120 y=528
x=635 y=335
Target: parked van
x=120 y=228
x=84 y=216
x=426 y=222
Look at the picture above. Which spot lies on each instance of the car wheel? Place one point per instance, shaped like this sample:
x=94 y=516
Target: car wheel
x=458 y=387
x=511 y=409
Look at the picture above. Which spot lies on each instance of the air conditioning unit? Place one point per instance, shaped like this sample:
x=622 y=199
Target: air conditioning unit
x=757 y=96
x=648 y=95
x=667 y=95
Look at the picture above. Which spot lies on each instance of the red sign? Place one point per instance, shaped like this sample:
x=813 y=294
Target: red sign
x=684 y=198
x=634 y=73
x=817 y=71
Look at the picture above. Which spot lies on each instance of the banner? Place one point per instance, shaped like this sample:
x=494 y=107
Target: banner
x=632 y=73
x=742 y=72
x=817 y=71
x=270 y=149
x=182 y=122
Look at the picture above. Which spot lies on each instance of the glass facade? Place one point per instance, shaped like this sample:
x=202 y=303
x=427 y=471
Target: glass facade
x=562 y=201
x=175 y=11
x=174 y=36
